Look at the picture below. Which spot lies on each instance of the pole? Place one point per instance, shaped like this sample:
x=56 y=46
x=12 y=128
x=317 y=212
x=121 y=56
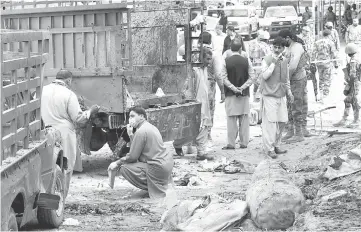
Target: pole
x=340 y=18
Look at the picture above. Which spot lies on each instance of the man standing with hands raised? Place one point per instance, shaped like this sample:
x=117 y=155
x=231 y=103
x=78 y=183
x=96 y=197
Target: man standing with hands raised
x=274 y=87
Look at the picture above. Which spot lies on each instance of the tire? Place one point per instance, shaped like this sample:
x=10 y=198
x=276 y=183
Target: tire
x=12 y=223
x=54 y=218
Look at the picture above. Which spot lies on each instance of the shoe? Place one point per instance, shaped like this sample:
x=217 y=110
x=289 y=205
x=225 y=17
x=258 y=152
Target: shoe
x=205 y=157
x=340 y=123
x=278 y=151
x=242 y=146
x=290 y=134
x=209 y=138
x=228 y=147
x=295 y=139
x=271 y=154
x=189 y=149
x=354 y=125
x=306 y=133
x=179 y=151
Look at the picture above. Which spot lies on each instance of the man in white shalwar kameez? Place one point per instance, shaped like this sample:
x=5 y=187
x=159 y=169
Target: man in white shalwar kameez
x=201 y=93
x=60 y=109
x=275 y=85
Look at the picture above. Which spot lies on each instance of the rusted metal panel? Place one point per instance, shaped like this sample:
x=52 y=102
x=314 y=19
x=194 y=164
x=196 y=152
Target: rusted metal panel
x=154 y=45
x=148 y=79
x=106 y=91
x=177 y=121
x=158 y=18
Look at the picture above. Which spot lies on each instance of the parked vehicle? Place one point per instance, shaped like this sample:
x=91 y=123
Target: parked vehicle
x=31 y=158
x=244 y=19
x=277 y=18
x=119 y=57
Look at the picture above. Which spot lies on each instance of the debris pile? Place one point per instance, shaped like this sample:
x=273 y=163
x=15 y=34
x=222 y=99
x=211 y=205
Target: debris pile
x=272 y=198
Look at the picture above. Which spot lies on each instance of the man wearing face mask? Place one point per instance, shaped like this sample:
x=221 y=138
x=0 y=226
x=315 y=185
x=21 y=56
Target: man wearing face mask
x=148 y=165
x=200 y=90
x=60 y=109
x=353 y=33
x=352 y=88
x=297 y=111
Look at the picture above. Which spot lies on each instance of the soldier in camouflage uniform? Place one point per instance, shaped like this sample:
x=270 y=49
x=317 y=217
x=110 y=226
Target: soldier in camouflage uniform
x=324 y=51
x=297 y=111
x=257 y=51
x=352 y=88
x=311 y=69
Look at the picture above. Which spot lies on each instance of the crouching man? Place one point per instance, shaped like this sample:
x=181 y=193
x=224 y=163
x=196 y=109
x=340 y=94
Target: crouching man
x=275 y=85
x=201 y=92
x=148 y=165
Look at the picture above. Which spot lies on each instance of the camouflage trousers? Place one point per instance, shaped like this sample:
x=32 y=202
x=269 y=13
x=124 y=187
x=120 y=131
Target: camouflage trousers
x=325 y=76
x=297 y=111
x=353 y=100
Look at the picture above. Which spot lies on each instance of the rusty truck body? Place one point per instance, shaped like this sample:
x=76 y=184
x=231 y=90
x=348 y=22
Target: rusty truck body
x=31 y=158
x=117 y=55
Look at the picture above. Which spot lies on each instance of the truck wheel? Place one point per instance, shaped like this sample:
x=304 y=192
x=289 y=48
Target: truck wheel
x=54 y=218
x=12 y=223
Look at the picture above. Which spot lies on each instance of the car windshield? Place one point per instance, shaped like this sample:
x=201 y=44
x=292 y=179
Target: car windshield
x=236 y=12
x=280 y=12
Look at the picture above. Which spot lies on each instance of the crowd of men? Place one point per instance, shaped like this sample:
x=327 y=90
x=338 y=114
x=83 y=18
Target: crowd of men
x=279 y=72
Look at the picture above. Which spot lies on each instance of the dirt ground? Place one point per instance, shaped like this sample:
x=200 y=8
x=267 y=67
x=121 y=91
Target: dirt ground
x=97 y=207
x=125 y=208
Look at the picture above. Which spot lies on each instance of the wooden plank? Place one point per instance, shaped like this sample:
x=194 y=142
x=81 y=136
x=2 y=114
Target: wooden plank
x=27 y=101
x=34 y=25
x=20 y=110
x=101 y=41
x=85 y=29
x=86 y=72
x=64 y=10
x=89 y=42
x=56 y=43
x=9 y=65
x=19 y=36
x=68 y=43
x=111 y=19
x=12 y=89
x=12 y=138
x=78 y=42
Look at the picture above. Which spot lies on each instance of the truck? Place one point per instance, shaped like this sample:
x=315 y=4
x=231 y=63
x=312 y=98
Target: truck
x=119 y=56
x=279 y=15
x=32 y=172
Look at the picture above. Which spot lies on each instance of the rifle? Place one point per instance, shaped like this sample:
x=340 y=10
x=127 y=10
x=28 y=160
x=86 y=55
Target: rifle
x=312 y=113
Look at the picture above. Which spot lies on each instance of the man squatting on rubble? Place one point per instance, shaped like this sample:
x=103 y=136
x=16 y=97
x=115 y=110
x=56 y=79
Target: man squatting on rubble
x=352 y=88
x=297 y=111
x=60 y=109
x=200 y=90
x=275 y=85
x=240 y=75
x=148 y=165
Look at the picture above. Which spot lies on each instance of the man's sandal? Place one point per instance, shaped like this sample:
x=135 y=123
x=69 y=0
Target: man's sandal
x=228 y=148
